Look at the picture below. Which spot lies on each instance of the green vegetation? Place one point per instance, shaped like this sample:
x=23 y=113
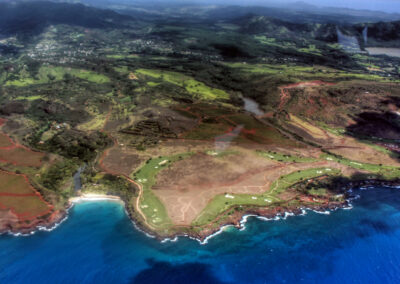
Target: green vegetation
x=384 y=171
x=150 y=205
x=47 y=74
x=286 y=181
x=30 y=98
x=122 y=56
x=71 y=91
x=55 y=177
x=284 y=157
x=108 y=184
x=77 y=144
x=221 y=203
x=335 y=131
x=300 y=73
x=198 y=89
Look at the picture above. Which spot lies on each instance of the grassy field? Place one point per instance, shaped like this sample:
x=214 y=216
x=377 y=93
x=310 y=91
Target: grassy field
x=29 y=98
x=388 y=172
x=21 y=157
x=221 y=203
x=27 y=207
x=301 y=73
x=311 y=129
x=18 y=195
x=197 y=89
x=122 y=56
x=220 y=121
x=15 y=184
x=5 y=141
x=284 y=157
x=286 y=181
x=48 y=74
x=150 y=205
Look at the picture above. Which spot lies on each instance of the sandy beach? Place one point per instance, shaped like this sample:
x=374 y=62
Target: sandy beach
x=94 y=197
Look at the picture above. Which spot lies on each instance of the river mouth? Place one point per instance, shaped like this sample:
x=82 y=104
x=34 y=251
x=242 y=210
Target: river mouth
x=77 y=178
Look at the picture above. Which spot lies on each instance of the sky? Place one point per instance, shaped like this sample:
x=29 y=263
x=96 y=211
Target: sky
x=379 y=5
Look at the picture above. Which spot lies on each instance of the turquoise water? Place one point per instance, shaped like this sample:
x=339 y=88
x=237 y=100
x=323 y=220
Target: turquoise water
x=99 y=244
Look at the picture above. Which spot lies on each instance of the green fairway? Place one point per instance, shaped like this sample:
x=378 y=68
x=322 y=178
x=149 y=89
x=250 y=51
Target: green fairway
x=388 y=172
x=151 y=206
x=284 y=157
x=281 y=184
x=221 y=203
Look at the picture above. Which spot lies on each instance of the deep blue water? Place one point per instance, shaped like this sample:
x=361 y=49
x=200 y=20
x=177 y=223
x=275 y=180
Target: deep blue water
x=98 y=244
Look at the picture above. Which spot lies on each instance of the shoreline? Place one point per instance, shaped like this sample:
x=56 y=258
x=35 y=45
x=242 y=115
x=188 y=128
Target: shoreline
x=238 y=222
x=90 y=197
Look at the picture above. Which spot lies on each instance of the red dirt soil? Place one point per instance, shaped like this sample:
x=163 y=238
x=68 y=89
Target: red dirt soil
x=285 y=95
x=17 y=154
x=26 y=215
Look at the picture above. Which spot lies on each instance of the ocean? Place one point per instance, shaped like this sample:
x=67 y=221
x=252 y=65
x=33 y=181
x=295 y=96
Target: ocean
x=99 y=244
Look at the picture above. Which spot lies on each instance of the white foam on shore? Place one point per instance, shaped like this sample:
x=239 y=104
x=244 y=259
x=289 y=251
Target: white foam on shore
x=240 y=227
x=42 y=228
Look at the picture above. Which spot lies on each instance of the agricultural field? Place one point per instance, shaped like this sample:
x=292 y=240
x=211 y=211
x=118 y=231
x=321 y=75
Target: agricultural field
x=197 y=89
x=21 y=157
x=304 y=73
x=47 y=74
x=225 y=125
x=19 y=198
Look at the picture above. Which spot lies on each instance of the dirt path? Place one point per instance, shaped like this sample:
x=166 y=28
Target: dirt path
x=105 y=169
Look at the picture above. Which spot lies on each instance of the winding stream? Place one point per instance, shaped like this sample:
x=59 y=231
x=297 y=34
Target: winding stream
x=77 y=178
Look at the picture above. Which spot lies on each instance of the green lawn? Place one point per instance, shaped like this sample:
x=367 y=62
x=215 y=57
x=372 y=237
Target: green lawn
x=388 y=172
x=151 y=206
x=276 y=156
x=281 y=184
x=198 y=89
x=223 y=202
x=29 y=98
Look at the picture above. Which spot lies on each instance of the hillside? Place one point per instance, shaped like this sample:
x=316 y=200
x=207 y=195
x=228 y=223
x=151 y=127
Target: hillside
x=32 y=17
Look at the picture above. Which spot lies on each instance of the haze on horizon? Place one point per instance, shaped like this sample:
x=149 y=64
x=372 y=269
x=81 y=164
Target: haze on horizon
x=389 y=6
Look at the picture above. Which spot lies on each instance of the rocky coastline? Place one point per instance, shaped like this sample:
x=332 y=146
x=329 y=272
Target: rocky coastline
x=237 y=220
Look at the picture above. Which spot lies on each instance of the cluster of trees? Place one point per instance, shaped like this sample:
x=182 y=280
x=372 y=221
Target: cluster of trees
x=72 y=143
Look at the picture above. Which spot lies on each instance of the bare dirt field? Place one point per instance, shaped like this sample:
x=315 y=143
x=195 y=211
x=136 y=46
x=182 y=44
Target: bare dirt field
x=21 y=156
x=345 y=146
x=122 y=160
x=14 y=153
x=5 y=141
x=189 y=185
x=19 y=201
